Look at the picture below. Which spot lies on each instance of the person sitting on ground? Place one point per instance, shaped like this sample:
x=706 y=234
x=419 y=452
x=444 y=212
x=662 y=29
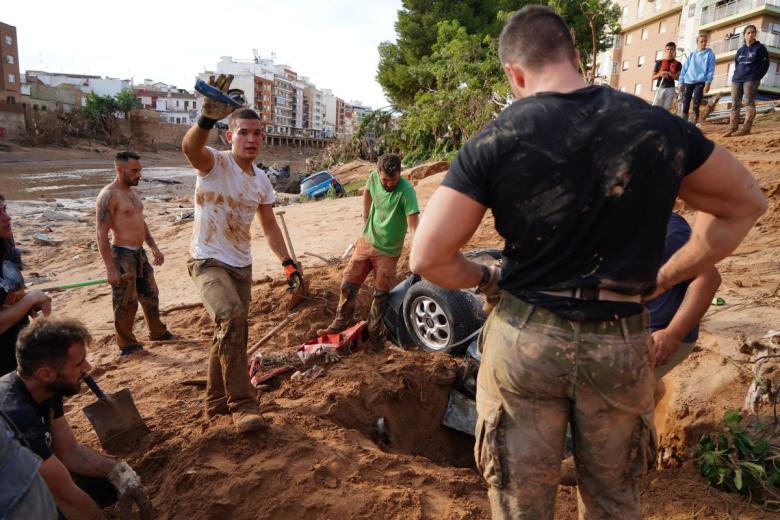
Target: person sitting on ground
x=389 y=208
x=120 y=210
x=52 y=364
x=16 y=304
x=751 y=63
x=665 y=73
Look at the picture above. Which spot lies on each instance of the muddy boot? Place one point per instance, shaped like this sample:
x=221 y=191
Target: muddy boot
x=377 y=332
x=733 y=123
x=344 y=311
x=705 y=112
x=248 y=421
x=750 y=115
x=693 y=118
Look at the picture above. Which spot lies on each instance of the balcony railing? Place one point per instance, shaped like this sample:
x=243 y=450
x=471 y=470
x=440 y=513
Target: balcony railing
x=732 y=8
x=767 y=38
x=724 y=81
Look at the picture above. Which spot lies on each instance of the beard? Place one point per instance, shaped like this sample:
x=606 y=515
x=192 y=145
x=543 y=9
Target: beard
x=64 y=388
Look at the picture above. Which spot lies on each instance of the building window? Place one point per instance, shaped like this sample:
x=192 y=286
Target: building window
x=9 y=59
x=11 y=78
x=614 y=67
x=625 y=65
x=659 y=55
x=637 y=89
x=692 y=10
x=628 y=39
x=616 y=41
x=9 y=40
x=774 y=27
x=657 y=5
x=661 y=27
x=640 y=61
x=645 y=33
x=640 y=7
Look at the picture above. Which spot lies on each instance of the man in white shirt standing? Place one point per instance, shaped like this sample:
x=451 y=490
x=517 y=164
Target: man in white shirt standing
x=229 y=191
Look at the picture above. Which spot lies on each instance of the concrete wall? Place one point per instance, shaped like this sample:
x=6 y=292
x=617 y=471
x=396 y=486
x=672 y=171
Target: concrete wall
x=145 y=129
x=12 y=124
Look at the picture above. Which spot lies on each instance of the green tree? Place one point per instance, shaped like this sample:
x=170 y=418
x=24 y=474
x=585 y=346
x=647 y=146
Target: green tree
x=101 y=112
x=416 y=30
x=126 y=101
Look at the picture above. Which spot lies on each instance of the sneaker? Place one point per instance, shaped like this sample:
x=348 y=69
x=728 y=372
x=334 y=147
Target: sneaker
x=164 y=336
x=248 y=421
x=131 y=348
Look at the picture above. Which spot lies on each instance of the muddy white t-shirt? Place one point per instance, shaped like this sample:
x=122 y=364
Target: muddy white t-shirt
x=226 y=200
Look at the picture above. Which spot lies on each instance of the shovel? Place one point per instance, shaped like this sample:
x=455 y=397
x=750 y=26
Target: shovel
x=115 y=418
x=299 y=292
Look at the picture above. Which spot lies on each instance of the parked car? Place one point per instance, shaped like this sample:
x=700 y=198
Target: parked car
x=318 y=184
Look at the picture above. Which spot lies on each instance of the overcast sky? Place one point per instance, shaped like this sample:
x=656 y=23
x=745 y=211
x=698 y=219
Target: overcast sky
x=333 y=42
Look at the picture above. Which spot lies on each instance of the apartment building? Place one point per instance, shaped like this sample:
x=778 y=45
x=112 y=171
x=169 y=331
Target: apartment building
x=10 y=79
x=288 y=104
x=648 y=25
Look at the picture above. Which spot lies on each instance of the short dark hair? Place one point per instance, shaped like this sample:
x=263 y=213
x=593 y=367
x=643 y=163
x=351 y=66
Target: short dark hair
x=46 y=341
x=702 y=35
x=389 y=164
x=242 y=113
x=671 y=44
x=126 y=155
x=534 y=36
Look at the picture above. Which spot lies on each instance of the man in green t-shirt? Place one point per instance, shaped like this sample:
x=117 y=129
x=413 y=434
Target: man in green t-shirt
x=389 y=208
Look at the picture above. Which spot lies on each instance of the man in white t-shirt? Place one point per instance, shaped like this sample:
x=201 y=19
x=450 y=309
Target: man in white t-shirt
x=229 y=191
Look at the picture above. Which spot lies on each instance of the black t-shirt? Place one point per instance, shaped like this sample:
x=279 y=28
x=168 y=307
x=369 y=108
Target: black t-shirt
x=671 y=66
x=581 y=186
x=32 y=420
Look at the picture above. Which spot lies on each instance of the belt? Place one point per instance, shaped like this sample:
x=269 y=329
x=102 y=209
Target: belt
x=594 y=293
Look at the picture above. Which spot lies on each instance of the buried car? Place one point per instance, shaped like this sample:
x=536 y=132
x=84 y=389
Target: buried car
x=434 y=319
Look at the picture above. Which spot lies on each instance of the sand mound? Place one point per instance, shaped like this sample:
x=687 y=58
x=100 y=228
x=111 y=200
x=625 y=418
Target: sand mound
x=353 y=171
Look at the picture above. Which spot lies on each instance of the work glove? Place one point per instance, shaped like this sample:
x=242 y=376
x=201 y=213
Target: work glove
x=293 y=274
x=488 y=287
x=128 y=487
x=215 y=110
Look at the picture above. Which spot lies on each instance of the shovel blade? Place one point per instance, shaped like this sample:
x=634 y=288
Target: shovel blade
x=118 y=424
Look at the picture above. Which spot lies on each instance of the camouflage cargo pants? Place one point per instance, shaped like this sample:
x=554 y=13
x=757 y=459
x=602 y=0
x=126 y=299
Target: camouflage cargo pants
x=540 y=372
x=226 y=292
x=137 y=285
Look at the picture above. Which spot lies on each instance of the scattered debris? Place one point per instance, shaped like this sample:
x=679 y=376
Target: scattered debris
x=185 y=215
x=314 y=372
x=59 y=216
x=42 y=239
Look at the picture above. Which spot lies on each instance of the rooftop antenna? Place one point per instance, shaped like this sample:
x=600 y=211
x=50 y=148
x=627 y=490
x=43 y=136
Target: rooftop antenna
x=256 y=54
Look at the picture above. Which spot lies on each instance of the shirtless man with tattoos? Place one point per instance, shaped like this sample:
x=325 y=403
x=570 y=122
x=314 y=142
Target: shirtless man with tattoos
x=120 y=210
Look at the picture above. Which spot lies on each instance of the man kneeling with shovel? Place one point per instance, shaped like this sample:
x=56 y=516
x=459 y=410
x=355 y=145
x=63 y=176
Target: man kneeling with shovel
x=52 y=364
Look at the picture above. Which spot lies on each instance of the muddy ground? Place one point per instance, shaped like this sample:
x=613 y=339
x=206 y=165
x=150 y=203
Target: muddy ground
x=320 y=457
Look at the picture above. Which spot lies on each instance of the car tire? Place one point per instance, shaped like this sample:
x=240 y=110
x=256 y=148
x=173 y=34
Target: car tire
x=438 y=319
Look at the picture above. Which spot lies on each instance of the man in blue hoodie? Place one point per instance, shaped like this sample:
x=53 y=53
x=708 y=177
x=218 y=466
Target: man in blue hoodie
x=750 y=65
x=696 y=77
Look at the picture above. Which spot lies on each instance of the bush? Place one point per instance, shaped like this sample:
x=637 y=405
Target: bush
x=742 y=460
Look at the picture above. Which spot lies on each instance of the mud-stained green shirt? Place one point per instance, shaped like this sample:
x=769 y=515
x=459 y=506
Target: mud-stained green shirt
x=386 y=225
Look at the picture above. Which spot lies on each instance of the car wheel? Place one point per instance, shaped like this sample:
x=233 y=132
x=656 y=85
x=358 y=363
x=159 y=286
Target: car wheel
x=437 y=319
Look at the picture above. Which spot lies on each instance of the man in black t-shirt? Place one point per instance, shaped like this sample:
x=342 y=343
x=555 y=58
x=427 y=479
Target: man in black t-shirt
x=581 y=181
x=665 y=73
x=52 y=363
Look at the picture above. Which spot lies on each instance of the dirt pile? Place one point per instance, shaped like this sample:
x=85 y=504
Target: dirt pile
x=353 y=171
x=321 y=457
x=425 y=170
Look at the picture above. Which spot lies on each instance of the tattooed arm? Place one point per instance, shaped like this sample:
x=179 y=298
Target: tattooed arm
x=104 y=216
x=159 y=258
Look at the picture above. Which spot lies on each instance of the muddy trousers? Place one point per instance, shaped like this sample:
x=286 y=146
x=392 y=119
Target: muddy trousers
x=540 y=372
x=748 y=91
x=225 y=292
x=137 y=285
x=364 y=260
